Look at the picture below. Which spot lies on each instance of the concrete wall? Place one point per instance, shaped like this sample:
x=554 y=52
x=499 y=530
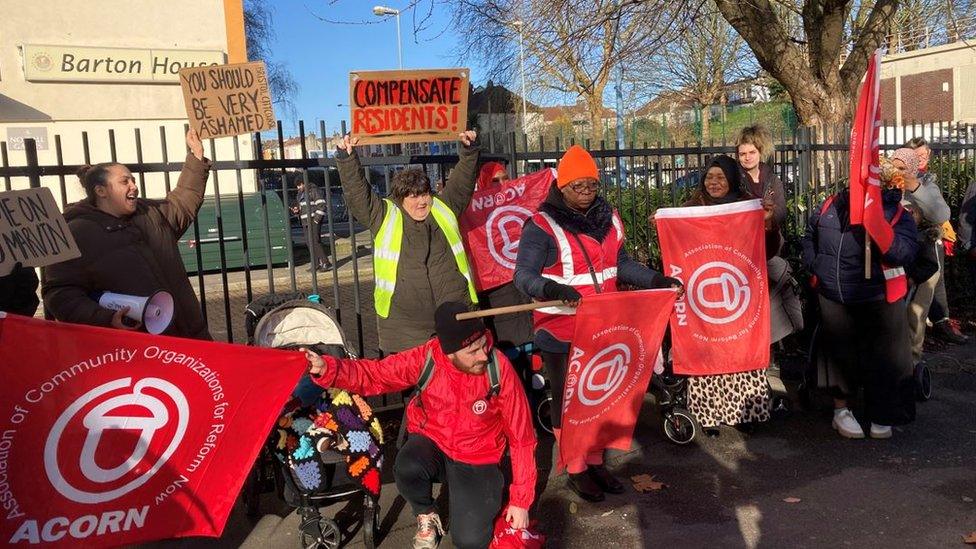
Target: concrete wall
x=69 y=108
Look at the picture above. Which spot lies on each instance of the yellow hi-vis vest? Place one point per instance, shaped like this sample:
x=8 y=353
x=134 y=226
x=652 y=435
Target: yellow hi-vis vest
x=386 y=251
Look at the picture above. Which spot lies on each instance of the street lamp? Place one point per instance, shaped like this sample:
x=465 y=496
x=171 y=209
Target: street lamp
x=520 y=26
x=383 y=11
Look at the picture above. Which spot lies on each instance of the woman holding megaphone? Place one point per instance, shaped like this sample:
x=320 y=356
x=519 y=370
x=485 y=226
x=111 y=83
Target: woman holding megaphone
x=129 y=249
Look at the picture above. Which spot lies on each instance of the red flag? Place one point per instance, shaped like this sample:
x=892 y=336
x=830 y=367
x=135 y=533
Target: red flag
x=721 y=325
x=493 y=224
x=865 y=183
x=615 y=346
x=110 y=438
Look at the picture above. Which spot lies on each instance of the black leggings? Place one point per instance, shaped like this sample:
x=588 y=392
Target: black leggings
x=555 y=364
x=865 y=345
x=475 y=490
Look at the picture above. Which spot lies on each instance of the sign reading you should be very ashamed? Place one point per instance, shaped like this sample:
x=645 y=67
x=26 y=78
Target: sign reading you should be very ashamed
x=33 y=231
x=408 y=106
x=225 y=100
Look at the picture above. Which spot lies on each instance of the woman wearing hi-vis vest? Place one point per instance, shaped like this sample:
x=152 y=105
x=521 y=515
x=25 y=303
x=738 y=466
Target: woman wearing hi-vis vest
x=418 y=255
x=863 y=339
x=573 y=247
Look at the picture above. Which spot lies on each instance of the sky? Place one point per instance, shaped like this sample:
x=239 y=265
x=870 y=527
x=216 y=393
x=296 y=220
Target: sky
x=320 y=54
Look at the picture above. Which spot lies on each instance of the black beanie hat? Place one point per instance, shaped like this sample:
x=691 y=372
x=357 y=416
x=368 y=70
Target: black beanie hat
x=455 y=334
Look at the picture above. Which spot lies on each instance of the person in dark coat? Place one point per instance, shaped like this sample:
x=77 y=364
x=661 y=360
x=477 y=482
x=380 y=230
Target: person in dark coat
x=129 y=245
x=311 y=210
x=597 y=261
x=18 y=291
x=739 y=398
x=863 y=335
x=415 y=264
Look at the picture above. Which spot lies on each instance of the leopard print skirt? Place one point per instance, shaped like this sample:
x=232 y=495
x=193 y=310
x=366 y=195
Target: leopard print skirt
x=729 y=399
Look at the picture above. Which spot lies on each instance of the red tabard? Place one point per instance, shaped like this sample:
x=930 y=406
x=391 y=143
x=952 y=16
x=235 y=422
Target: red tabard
x=721 y=325
x=572 y=269
x=492 y=226
x=110 y=438
x=616 y=345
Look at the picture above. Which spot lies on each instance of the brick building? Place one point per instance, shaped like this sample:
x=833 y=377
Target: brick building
x=936 y=84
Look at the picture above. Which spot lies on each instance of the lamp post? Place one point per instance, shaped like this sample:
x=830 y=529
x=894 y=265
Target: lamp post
x=383 y=11
x=520 y=26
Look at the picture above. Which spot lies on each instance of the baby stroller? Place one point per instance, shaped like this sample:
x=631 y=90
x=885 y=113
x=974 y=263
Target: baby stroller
x=680 y=425
x=290 y=321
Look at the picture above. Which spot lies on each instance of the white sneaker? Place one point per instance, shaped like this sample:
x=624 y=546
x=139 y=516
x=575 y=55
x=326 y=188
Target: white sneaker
x=429 y=531
x=846 y=424
x=880 y=431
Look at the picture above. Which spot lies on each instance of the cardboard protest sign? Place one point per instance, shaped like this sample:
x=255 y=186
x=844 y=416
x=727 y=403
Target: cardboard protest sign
x=32 y=230
x=408 y=106
x=224 y=100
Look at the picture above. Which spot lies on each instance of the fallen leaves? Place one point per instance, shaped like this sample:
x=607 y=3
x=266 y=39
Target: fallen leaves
x=646 y=483
x=970 y=539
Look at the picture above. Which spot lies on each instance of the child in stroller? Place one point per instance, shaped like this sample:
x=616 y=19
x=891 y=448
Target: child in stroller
x=317 y=431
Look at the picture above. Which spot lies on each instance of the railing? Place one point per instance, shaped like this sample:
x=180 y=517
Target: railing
x=637 y=180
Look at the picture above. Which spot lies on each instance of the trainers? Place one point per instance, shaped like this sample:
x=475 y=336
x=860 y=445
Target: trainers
x=880 y=431
x=846 y=424
x=429 y=531
x=947 y=331
x=606 y=481
x=585 y=487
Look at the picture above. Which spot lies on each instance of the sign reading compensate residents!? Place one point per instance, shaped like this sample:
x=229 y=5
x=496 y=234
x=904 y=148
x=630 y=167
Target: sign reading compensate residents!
x=408 y=106
x=82 y=64
x=228 y=99
x=33 y=231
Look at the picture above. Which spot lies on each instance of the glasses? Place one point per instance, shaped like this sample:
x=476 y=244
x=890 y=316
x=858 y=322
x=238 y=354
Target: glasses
x=586 y=187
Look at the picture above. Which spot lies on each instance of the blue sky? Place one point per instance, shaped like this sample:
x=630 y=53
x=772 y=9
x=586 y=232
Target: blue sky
x=320 y=55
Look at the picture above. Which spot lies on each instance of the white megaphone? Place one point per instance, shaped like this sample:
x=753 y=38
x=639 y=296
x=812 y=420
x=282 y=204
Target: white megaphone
x=155 y=312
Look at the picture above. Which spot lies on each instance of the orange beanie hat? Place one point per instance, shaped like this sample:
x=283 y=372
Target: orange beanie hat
x=576 y=164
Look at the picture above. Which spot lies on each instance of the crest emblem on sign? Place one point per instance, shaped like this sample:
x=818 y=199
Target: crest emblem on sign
x=505 y=222
x=479 y=407
x=718 y=292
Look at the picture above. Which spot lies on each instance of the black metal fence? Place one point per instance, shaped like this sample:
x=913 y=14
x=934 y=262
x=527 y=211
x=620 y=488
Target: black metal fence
x=636 y=179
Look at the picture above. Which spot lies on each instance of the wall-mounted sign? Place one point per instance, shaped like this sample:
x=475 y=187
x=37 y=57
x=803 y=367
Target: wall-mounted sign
x=83 y=64
x=16 y=136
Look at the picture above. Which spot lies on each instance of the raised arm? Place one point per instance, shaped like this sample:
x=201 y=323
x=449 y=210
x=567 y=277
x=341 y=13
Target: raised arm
x=460 y=185
x=182 y=203
x=365 y=205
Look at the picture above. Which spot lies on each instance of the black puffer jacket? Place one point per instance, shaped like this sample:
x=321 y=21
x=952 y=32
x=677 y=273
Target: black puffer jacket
x=833 y=250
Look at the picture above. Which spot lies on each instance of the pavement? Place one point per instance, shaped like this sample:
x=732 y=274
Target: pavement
x=792 y=483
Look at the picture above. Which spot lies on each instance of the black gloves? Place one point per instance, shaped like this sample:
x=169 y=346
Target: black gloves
x=668 y=282
x=562 y=292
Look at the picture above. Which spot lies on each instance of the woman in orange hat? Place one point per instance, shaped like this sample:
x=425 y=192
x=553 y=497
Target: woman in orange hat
x=573 y=247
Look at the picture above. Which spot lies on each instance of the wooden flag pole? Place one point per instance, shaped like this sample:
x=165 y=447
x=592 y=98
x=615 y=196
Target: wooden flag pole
x=867 y=255
x=509 y=309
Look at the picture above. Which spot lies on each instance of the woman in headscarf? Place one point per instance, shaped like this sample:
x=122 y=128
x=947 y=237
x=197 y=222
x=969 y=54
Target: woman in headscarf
x=863 y=335
x=492 y=174
x=739 y=398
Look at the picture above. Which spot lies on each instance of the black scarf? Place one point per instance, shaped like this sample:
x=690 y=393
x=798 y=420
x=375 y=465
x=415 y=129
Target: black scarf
x=595 y=222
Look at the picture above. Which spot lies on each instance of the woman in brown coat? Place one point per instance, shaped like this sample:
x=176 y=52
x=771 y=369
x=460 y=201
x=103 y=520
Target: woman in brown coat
x=129 y=246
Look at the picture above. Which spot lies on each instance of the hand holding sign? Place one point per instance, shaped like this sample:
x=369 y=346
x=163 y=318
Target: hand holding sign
x=194 y=144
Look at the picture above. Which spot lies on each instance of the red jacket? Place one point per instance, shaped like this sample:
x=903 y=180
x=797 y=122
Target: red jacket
x=448 y=409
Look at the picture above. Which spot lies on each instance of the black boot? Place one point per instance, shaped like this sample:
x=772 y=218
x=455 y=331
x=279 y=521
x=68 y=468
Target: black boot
x=607 y=482
x=585 y=487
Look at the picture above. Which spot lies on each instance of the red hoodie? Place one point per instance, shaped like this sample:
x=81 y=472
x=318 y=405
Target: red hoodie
x=452 y=410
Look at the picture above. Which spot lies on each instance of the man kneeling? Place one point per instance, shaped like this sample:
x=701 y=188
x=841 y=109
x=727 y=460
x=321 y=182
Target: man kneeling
x=465 y=410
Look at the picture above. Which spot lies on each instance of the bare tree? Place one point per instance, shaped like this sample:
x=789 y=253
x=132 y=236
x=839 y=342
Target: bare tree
x=259 y=33
x=820 y=60
x=571 y=46
x=699 y=64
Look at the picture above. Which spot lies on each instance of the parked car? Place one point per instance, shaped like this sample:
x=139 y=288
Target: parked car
x=233 y=238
